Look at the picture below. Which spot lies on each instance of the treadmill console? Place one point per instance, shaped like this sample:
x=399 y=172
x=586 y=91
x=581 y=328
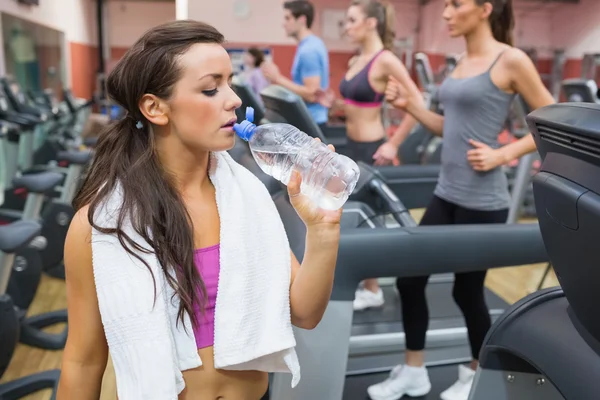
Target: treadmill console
x=567 y=189
x=372 y=190
x=281 y=105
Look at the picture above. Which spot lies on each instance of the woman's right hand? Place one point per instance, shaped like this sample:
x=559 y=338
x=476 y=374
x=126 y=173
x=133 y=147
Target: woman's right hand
x=326 y=97
x=396 y=95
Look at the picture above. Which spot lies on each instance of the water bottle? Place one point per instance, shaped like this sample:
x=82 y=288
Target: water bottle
x=328 y=178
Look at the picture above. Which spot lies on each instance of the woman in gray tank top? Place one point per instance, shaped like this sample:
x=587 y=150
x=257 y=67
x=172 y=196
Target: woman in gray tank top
x=472 y=189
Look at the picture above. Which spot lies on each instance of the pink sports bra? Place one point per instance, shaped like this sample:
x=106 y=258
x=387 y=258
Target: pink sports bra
x=207 y=262
x=358 y=90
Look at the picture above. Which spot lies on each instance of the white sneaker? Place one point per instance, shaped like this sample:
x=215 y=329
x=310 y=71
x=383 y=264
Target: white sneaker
x=403 y=380
x=367 y=299
x=462 y=387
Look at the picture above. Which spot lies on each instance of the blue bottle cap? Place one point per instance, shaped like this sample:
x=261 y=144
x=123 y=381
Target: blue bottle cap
x=245 y=129
x=250 y=114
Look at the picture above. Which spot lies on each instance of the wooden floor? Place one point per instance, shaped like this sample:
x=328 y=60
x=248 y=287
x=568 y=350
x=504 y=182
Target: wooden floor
x=509 y=283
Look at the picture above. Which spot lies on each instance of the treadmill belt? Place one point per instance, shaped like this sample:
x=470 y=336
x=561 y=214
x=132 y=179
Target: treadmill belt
x=439 y=299
x=441 y=377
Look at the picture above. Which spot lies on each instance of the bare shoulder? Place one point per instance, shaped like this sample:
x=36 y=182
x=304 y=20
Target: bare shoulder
x=78 y=247
x=388 y=57
x=80 y=228
x=516 y=58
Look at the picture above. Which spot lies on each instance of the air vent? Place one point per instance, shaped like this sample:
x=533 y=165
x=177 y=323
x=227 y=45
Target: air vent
x=576 y=143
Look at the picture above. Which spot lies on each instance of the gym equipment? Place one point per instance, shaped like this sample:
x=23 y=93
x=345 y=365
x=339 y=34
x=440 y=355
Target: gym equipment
x=424 y=72
x=589 y=66
x=422 y=146
x=547 y=346
x=13 y=237
x=338 y=347
x=27 y=268
x=379 y=332
x=554 y=78
x=559 y=60
x=57 y=212
x=520 y=177
x=580 y=90
x=403 y=48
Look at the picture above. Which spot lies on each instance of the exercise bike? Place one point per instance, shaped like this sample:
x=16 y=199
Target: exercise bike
x=28 y=266
x=57 y=212
x=12 y=238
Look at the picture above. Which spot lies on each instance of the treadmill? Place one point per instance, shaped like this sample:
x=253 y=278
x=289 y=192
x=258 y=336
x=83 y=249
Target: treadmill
x=547 y=346
x=377 y=342
x=343 y=355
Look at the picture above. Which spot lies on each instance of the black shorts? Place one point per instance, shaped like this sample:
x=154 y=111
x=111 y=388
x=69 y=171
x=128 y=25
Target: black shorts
x=362 y=151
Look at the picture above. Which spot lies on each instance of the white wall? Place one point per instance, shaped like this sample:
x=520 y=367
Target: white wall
x=127 y=21
x=264 y=24
x=76 y=18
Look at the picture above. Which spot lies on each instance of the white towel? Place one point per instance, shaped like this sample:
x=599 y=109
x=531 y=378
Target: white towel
x=253 y=329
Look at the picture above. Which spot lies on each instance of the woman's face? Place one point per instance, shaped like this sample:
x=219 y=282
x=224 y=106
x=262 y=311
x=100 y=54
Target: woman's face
x=358 y=26
x=201 y=109
x=464 y=16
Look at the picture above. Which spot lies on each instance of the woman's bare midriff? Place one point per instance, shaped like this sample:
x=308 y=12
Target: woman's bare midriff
x=208 y=383
x=363 y=124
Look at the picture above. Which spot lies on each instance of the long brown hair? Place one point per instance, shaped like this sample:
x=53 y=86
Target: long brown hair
x=125 y=154
x=502 y=19
x=385 y=15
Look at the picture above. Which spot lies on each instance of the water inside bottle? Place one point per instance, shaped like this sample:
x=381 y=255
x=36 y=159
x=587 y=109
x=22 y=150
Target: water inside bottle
x=330 y=195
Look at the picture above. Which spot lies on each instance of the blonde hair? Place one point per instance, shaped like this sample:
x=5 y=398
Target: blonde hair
x=385 y=15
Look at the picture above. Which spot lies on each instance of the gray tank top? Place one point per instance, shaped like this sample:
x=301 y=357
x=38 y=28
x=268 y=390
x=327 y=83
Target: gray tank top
x=474 y=108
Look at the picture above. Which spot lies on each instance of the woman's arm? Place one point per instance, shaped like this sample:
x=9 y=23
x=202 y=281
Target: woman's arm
x=86 y=351
x=313 y=281
x=413 y=99
x=526 y=81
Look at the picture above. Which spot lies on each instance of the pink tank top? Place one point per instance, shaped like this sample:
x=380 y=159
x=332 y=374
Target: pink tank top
x=207 y=262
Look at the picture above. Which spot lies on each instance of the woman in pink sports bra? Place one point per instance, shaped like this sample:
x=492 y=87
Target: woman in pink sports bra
x=175 y=85
x=370 y=25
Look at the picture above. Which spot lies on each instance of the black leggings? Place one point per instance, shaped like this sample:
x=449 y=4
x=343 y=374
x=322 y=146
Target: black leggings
x=362 y=151
x=468 y=291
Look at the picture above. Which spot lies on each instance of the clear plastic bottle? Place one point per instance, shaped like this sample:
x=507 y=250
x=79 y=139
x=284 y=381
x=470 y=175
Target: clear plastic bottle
x=328 y=178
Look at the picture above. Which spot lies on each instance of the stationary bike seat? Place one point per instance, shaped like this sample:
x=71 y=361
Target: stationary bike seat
x=39 y=182
x=18 y=234
x=75 y=156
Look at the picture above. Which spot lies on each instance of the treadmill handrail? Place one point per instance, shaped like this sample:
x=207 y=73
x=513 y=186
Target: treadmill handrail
x=391 y=172
x=427 y=250
x=399 y=212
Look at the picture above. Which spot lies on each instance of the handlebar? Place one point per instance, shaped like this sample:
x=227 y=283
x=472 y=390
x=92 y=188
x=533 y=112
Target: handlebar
x=372 y=184
x=393 y=203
